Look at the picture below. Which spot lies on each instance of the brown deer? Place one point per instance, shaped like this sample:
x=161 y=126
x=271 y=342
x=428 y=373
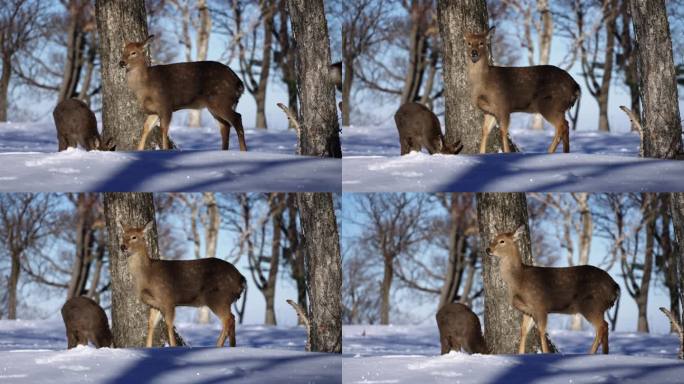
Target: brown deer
x=418 y=127
x=167 y=284
x=499 y=91
x=460 y=328
x=164 y=89
x=76 y=124
x=85 y=320
x=335 y=74
x=538 y=291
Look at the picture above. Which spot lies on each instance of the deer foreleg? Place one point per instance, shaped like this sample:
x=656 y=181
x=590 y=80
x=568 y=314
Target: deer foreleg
x=487 y=125
x=525 y=326
x=147 y=127
x=151 y=323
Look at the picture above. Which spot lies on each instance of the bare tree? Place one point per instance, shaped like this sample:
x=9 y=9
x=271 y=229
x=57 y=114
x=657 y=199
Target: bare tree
x=26 y=221
x=677 y=210
x=662 y=127
x=293 y=252
x=284 y=56
x=323 y=270
x=320 y=132
x=20 y=25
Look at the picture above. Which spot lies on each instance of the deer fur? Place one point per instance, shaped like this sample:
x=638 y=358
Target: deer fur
x=538 y=291
x=85 y=321
x=500 y=91
x=167 y=284
x=164 y=89
x=76 y=125
x=335 y=74
x=460 y=328
x=418 y=127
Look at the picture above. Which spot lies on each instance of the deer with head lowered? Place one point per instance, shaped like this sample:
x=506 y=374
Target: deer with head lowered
x=418 y=127
x=500 y=91
x=85 y=321
x=164 y=89
x=460 y=328
x=538 y=291
x=76 y=125
x=166 y=284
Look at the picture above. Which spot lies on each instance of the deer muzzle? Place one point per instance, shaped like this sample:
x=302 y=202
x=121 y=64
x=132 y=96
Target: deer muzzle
x=488 y=251
x=124 y=248
x=122 y=64
x=474 y=56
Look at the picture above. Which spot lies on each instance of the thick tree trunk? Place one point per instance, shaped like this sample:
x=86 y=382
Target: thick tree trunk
x=295 y=254
x=260 y=95
x=347 y=78
x=385 y=288
x=286 y=60
x=658 y=84
x=320 y=131
x=545 y=38
x=498 y=213
x=4 y=88
x=74 y=54
x=463 y=121
x=12 y=284
x=129 y=314
x=122 y=117
x=677 y=211
x=269 y=292
x=323 y=270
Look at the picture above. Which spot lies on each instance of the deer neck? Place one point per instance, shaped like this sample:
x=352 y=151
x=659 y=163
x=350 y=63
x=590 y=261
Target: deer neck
x=478 y=73
x=511 y=268
x=137 y=77
x=138 y=263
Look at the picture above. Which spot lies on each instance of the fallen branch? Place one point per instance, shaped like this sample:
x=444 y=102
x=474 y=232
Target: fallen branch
x=636 y=124
x=305 y=319
x=678 y=328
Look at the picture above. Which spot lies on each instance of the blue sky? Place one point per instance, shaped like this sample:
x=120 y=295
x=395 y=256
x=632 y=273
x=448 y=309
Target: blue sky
x=424 y=312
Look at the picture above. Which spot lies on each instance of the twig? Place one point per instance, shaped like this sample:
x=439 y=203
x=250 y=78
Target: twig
x=290 y=116
x=305 y=319
x=636 y=124
x=678 y=328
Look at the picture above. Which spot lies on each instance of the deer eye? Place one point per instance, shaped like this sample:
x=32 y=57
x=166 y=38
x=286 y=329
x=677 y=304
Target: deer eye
x=501 y=241
x=134 y=237
x=481 y=44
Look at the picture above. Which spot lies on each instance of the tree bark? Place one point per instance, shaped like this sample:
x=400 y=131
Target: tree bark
x=545 y=38
x=320 y=132
x=388 y=274
x=677 y=212
x=260 y=95
x=295 y=254
x=286 y=61
x=658 y=80
x=203 y=32
x=276 y=207
x=498 y=213
x=4 y=87
x=611 y=17
x=129 y=314
x=122 y=117
x=348 y=74
x=462 y=120
x=12 y=284
x=323 y=270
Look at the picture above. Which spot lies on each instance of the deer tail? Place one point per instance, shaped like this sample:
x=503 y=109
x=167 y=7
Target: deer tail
x=615 y=295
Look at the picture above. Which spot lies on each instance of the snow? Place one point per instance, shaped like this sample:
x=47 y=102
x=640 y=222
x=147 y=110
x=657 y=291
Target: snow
x=30 y=163
x=411 y=354
x=597 y=161
x=35 y=351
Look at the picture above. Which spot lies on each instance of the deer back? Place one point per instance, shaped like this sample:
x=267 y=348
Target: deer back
x=83 y=315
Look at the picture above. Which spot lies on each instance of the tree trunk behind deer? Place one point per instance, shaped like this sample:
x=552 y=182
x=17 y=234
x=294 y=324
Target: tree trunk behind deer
x=658 y=80
x=323 y=272
x=4 y=87
x=320 y=134
x=129 y=314
x=195 y=115
x=497 y=213
x=122 y=118
x=463 y=121
x=348 y=75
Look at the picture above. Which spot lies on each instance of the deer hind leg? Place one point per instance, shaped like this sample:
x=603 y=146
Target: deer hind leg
x=562 y=131
x=487 y=125
x=152 y=321
x=147 y=127
x=444 y=343
x=165 y=121
x=601 y=329
x=234 y=119
x=169 y=317
x=525 y=326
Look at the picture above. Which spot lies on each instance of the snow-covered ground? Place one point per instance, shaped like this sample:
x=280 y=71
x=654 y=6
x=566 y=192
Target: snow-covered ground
x=30 y=162
x=597 y=161
x=411 y=354
x=35 y=352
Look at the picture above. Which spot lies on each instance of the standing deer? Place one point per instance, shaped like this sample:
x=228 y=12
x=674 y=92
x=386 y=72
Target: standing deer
x=85 y=320
x=460 y=327
x=538 y=291
x=418 y=127
x=164 y=89
x=76 y=124
x=499 y=91
x=167 y=284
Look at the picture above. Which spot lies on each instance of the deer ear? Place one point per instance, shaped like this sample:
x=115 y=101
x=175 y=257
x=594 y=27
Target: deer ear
x=517 y=235
x=148 y=226
x=490 y=30
x=147 y=41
